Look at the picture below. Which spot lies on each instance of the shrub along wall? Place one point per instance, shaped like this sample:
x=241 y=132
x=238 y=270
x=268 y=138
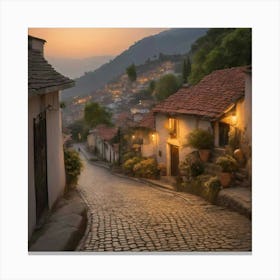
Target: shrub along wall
x=206 y=186
x=73 y=167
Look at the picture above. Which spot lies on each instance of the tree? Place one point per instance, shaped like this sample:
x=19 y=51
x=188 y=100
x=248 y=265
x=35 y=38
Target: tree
x=79 y=130
x=95 y=114
x=131 y=73
x=186 y=70
x=165 y=86
x=220 y=48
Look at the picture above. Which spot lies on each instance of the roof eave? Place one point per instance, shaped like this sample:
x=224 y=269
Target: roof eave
x=47 y=90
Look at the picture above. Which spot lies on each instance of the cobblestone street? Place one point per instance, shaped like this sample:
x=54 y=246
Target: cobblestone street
x=131 y=216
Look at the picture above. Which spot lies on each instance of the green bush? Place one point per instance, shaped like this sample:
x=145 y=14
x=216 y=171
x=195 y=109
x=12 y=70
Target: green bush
x=227 y=163
x=212 y=188
x=146 y=168
x=73 y=167
x=191 y=167
x=200 y=139
x=129 y=155
x=205 y=186
x=128 y=165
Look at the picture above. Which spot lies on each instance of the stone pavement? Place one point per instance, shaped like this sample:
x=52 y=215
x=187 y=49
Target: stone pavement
x=238 y=199
x=126 y=215
x=64 y=227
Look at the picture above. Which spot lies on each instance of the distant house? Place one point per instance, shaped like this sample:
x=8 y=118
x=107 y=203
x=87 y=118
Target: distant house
x=216 y=104
x=144 y=136
x=46 y=174
x=102 y=141
x=138 y=111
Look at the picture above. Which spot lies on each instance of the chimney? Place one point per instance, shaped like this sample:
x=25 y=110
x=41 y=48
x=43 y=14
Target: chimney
x=35 y=43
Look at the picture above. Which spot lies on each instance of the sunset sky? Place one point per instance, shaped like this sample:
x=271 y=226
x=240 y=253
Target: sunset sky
x=86 y=42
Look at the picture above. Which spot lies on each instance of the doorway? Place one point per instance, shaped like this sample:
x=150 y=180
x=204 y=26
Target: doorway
x=40 y=164
x=223 y=134
x=174 y=160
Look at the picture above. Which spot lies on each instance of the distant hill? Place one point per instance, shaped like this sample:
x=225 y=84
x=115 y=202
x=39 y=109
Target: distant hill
x=173 y=41
x=75 y=68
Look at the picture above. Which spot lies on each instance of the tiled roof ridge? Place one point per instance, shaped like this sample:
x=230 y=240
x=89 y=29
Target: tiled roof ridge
x=210 y=97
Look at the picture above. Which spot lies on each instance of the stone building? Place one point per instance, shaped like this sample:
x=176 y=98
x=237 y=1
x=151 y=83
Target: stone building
x=46 y=174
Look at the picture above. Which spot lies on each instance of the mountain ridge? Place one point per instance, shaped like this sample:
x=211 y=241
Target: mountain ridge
x=172 y=41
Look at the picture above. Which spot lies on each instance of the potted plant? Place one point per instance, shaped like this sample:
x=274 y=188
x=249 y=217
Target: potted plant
x=228 y=165
x=203 y=141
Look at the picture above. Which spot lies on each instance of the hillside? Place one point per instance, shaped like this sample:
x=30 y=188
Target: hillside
x=120 y=94
x=220 y=48
x=173 y=41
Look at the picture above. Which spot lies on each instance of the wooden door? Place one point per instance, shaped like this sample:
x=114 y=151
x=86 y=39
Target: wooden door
x=174 y=157
x=40 y=164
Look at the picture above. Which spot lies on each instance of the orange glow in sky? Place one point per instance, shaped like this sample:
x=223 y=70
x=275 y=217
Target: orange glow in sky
x=86 y=42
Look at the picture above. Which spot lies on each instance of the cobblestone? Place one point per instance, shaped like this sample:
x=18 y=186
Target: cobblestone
x=130 y=216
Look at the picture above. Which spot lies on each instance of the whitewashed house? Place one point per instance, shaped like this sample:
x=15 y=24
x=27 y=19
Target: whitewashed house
x=46 y=174
x=102 y=142
x=143 y=138
x=216 y=103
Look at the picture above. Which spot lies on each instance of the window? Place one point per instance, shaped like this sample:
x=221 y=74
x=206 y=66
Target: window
x=173 y=127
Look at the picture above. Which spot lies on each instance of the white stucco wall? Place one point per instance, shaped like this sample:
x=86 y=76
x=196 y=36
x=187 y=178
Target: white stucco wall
x=185 y=125
x=91 y=141
x=148 y=148
x=56 y=171
x=55 y=156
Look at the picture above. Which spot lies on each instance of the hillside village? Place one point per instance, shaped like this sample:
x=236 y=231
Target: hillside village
x=121 y=94
x=157 y=159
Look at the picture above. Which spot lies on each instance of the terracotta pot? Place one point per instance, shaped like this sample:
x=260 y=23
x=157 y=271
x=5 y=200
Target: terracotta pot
x=225 y=178
x=204 y=155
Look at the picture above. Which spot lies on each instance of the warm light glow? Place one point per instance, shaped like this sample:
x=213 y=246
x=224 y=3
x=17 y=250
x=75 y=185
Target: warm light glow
x=170 y=123
x=133 y=136
x=153 y=136
x=233 y=119
x=87 y=42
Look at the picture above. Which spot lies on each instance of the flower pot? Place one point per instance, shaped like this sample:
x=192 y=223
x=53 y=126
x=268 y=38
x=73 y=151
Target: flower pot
x=225 y=179
x=204 y=155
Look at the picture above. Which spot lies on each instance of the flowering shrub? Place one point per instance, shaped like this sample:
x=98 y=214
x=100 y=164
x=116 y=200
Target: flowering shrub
x=129 y=164
x=227 y=163
x=129 y=155
x=146 y=168
x=73 y=167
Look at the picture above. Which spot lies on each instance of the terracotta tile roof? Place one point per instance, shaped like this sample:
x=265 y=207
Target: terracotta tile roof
x=210 y=97
x=106 y=133
x=148 y=121
x=42 y=78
